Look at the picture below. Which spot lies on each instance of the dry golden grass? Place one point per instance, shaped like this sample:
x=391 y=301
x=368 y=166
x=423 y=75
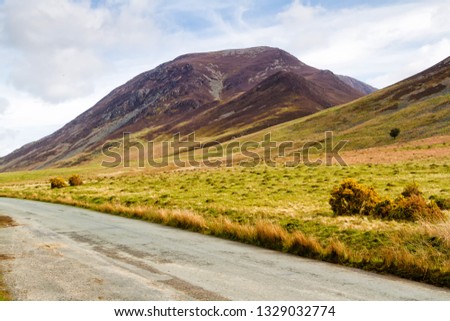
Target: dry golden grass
x=270 y=235
x=185 y=219
x=337 y=252
x=224 y=227
x=302 y=245
x=430 y=149
x=440 y=230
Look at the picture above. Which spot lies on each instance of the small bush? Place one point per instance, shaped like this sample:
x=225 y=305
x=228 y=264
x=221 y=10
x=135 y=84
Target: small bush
x=351 y=198
x=57 y=182
x=75 y=180
x=394 y=132
x=441 y=202
x=415 y=208
x=383 y=209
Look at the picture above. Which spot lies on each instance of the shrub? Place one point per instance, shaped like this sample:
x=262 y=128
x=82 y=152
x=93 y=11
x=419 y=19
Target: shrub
x=384 y=208
x=351 y=198
x=57 y=182
x=441 y=202
x=394 y=132
x=415 y=208
x=75 y=180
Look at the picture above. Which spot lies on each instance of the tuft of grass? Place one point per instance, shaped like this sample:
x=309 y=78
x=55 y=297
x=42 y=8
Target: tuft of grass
x=303 y=245
x=336 y=252
x=271 y=235
x=412 y=189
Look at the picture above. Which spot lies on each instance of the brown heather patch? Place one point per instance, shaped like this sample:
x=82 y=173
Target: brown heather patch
x=434 y=148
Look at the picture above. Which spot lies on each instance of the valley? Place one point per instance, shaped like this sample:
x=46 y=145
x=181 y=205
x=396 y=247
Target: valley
x=282 y=208
x=276 y=205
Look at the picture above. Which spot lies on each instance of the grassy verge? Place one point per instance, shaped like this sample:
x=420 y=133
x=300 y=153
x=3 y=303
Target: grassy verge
x=4 y=294
x=279 y=208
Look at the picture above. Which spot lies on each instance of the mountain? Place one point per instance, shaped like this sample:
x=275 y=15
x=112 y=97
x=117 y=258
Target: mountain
x=419 y=106
x=358 y=85
x=222 y=94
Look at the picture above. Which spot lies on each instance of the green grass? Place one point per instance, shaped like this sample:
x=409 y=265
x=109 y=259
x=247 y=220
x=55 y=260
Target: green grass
x=281 y=208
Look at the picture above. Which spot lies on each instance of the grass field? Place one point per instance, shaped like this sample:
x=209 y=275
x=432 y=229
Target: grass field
x=283 y=208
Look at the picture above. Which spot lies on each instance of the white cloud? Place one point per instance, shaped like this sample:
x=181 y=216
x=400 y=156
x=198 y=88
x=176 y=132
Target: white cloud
x=52 y=41
x=57 y=76
x=62 y=47
x=371 y=43
x=28 y=118
x=4 y=103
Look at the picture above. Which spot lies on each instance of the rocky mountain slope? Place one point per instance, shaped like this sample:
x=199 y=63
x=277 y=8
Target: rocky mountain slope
x=225 y=94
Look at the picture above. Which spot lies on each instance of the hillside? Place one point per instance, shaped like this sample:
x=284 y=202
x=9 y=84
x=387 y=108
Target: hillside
x=419 y=106
x=225 y=93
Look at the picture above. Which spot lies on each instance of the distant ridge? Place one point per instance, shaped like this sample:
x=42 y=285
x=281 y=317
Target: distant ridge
x=358 y=85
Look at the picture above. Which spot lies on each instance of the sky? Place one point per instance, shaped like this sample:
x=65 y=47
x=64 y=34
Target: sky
x=59 y=57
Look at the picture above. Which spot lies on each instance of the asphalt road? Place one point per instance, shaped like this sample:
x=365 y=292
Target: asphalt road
x=64 y=253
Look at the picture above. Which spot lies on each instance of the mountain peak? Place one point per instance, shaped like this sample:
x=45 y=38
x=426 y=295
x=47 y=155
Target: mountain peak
x=247 y=52
x=190 y=93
